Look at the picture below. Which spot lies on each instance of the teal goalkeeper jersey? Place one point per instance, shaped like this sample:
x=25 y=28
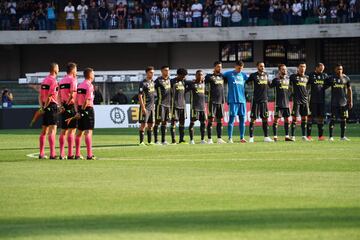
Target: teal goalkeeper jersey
x=236 y=86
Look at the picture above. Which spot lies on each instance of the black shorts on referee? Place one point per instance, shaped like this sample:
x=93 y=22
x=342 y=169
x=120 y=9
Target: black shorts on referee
x=50 y=115
x=68 y=113
x=87 y=119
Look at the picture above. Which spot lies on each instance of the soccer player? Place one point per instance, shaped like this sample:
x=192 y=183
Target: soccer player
x=259 y=107
x=48 y=100
x=341 y=100
x=216 y=99
x=282 y=94
x=236 y=80
x=317 y=82
x=299 y=81
x=178 y=105
x=147 y=99
x=162 y=109
x=197 y=105
x=85 y=115
x=67 y=95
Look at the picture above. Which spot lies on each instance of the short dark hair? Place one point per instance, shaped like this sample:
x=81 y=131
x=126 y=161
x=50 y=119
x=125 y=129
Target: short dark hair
x=87 y=72
x=301 y=63
x=165 y=66
x=149 y=68
x=259 y=62
x=52 y=66
x=338 y=65
x=70 y=66
x=281 y=65
x=319 y=64
x=217 y=63
x=239 y=63
x=199 y=71
x=182 y=71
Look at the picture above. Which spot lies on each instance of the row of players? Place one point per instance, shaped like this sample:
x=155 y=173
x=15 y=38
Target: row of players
x=75 y=104
x=308 y=102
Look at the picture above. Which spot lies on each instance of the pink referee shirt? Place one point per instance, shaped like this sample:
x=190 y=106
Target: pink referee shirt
x=49 y=86
x=85 y=91
x=67 y=85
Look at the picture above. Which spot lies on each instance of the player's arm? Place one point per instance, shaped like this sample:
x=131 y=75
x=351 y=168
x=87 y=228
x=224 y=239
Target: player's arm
x=272 y=83
x=349 y=96
x=250 y=79
x=141 y=102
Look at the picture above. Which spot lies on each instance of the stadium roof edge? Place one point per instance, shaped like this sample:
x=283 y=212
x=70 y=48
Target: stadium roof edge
x=181 y=35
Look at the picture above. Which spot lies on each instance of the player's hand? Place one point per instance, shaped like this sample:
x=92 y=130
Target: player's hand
x=144 y=111
x=62 y=109
x=77 y=116
x=350 y=105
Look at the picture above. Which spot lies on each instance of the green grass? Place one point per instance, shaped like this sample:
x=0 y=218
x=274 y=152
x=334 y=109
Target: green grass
x=241 y=191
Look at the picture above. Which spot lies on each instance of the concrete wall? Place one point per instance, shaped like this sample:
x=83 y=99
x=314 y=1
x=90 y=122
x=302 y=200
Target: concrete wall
x=181 y=35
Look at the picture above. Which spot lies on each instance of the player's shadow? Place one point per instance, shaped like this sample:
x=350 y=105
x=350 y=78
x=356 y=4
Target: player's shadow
x=185 y=222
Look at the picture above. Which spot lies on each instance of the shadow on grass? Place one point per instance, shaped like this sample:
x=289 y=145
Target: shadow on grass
x=183 y=222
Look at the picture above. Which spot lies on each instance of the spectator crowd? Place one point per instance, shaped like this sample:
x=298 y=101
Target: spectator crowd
x=134 y=14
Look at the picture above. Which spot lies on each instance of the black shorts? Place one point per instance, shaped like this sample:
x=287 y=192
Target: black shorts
x=282 y=112
x=198 y=115
x=317 y=110
x=162 y=113
x=259 y=110
x=50 y=115
x=149 y=117
x=68 y=113
x=87 y=119
x=339 y=112
x=216 y=110
x=300 y=110
x=178 y=114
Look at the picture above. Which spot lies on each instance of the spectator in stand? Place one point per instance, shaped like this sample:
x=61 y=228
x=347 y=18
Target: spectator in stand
x=341 y=12
x=196 y=9
x=333 y=14
x=121 y=13
x=154 y=16
x=138 y=16
x=253 y=13
x=113 y=20
x=209 y=9
x=236 y=14
x=218 y=17
x=51 y=16
x=6 y=98
x=226 y=14
x=165 y=15
x=182 y=17
x=70 y=17
x=119 y=98
x=103 y=16
x=82 y=15
x=41 y=17
x=98 y=97
x=93 y=16
x=245 y=11
x=264 y=10
x=188 y=17
x=205 y=18
x=286 y=12
x=296 y=12
x=175 y=18
x=13 y=20
x=321 y=11
x=277 y=14
x=352 y=13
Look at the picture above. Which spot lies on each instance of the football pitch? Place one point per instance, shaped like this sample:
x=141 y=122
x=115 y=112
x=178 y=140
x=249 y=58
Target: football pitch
x=256 y=191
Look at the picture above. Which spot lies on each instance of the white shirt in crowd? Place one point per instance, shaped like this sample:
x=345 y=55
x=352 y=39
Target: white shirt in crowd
x=69 y=10
x=196 y=9
x=225 y=9
x=296 y=8
x=82 y=10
